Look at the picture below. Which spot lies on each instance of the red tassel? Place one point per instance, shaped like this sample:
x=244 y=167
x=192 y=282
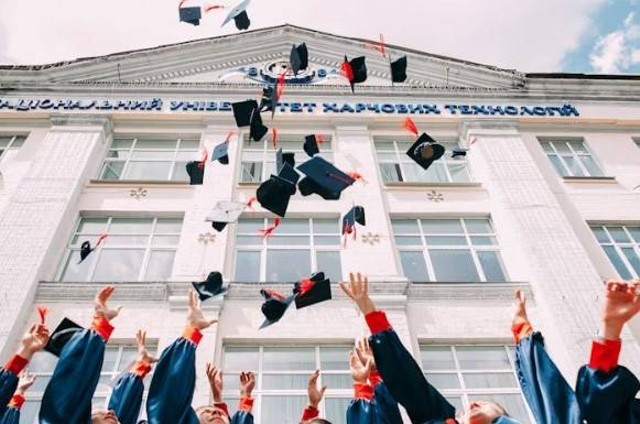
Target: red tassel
x=319 y=139
x=213 y=7
x=280 y=84
x=305 y=285
x=43 y=311
x=274 y=137
x=410 y=126
x=251 y=202
x=347 y=70
x=204 y=159
x=377 y=46
x=340 y=178
x=181 y=3
x=268 y=232
x=101 y=238
x=274 y=294
x=231 y=133
x=357 y=176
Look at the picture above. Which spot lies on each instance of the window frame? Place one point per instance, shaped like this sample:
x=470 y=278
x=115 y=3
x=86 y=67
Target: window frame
x=618 y=246
x=14 y=139
x=575 y=155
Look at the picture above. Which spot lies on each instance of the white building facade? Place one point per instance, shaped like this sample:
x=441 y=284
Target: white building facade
x=546 y=199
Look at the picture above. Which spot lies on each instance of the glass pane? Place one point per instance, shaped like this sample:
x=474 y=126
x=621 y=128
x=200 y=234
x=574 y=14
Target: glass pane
x=288 y=265
x=189 y=144
x=284 y=381
x=482 y=357
x=131 y=226
x=408 y=241
x=294 y=226
x=459 y=172
x=414 y=266
x=334 y=358
x=633 y=259
x=384 y=146
x=282 y=409
x=180 y=172
x=168 y=226
x=335 y=410
x=118 y=265
x=326 y=240
x=118 y=154
x=454 y=266
x=114 y=240
x=484 y=241
x=121 y=144
x=442 y=226
x=111 y=170
x=289 y=359
x=578 y=146
x=166 y=156
x=574 y=167
x=279 y=240
x=456 y=402
x=329 y=263
x=29 y=412
x=43 y=362
x=247 y=267
x=617 y=262
x=490 y=380
x=165 y=240
x=110 y=358
x=156 y=144
x=492 y=266
x=92 y=225
x=77 y=272
x=590 y=164
x=241 y=359
x=232 y=382
x=557 y=164
x=250 y=226
x=443 y=381
x=435 y=174
x=635 y=233
x=437 y=358
x=388 y=158
x=41 y=383
x=561 y=147
x=478 y=226
x=160 y=265
x=405 y=226
x=513 y=404
x=130 y=354
x=337 y=381
x=148 y=171
x=249 y=240
x=602 y=236
x=326 y=226
x=251 y=172
x=618 y=234
x=445 y=241
x=391 y=173
x=413 y=173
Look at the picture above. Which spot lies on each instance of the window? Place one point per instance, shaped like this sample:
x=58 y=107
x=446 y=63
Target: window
x=464 y=374
x=149 y=159
x=9 y=146
x=622 y=245
x=297 y=248
x=281 y=380
x=136 y=249
x=259 y=158
x=396 y=166
x=117 y=357
x=571 y=158
x=449 y=250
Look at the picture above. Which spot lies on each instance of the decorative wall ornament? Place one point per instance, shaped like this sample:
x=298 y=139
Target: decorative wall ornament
x=371 y=238
x=138 y=192
x=207 y=237
x=434 y=196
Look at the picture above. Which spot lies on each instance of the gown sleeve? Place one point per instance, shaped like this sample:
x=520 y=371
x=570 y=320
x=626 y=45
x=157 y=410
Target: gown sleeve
x=9 y=380
x=174 y=381
x=605 y=391
x=361 y=409
x=387 y=410
x=12 y=413
x=243 y=415
x=126 y=398
x=67 y=398
x=402 y=375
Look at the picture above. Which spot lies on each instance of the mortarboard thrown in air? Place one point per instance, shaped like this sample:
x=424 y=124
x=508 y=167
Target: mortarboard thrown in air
x=311 y=291
x=86 y=249
x=221 y=151
x=399 y=70
x=275 y=193
x=299 y=58
x=355 y=70
x=190 y=15
x=247 y=114
x=211 y=287
x=274 y=307
x=284 y=158
x=355 y=215
x=310 y=145
x=323 y=178
x=425 y=151
x=239 y=15
x=225 y=213
x=257 y=129
x=61 y=336
x=459 y=151
x=271 y=96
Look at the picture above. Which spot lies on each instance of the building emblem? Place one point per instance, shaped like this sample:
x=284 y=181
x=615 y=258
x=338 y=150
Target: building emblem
x=371 y=238
x=434 y=196
x=138 y=192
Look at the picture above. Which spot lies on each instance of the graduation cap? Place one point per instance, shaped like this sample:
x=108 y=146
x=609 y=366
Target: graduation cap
x=195 y=169
x=399 y=70
x=356 y=214
x=221 y=153
x=257 y=130
x=323 y=178
x=86 y=249
x=299 y=58
x=311 y=145
x=355 y=70
x=275 y=193
x=225 y=213
x=211 y=287
x=239 y=15
x=311 y=291
x=425 y=151
x=284 y=158
x=268 y=97
x=61 y=336
x=190 y=15
x=274 y=307
x=459 y=151
x=243 y=112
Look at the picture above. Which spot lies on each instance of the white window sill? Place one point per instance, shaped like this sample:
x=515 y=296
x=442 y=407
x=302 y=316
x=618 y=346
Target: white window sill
x=428 y=185
x=137 y=183
x=590 y=180
x=248 y=184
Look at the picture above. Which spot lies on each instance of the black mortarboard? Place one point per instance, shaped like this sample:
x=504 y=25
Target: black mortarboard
x=288 y=173
x=356 y=214
x=268 y=93
x=243 y=112
x=221 y=153
x=239 y=15
x=85 y=250
x=282 y=158
x=459 y=151
x=195 y=169
x=311 y=291
x=399 y=70
x=225 y=213
x=61 y=336
x=274 y=307
x=323 y=178
x=190 y=15
x=299 y=58
x=357 y=70
x=425 y=151
x=211 y=287
x=275 y=193
x=257 y=129
x=311 y=145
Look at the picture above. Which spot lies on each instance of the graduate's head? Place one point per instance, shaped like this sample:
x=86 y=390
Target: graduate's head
x=211 y=414
x=318 y=421
x=481 y=412
x=104 y=417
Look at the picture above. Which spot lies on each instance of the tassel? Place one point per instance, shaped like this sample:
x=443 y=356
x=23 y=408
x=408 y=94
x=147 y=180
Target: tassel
x=213 y=7
x=43 y=311
x=305 y=286
x=274 y=137
x=347 y=70
x=268 y=232
x=357 y=176
x=280 y=85
x=274 y=294
x=410 y=126
x=251 y=202
x=182 y=2
x=319 y=138
x=204 y=159
x=101 y=238
x=340 y=178
x=377 y=46
x=231 y=133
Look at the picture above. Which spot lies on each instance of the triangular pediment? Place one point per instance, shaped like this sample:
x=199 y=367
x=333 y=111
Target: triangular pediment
x=255 y=57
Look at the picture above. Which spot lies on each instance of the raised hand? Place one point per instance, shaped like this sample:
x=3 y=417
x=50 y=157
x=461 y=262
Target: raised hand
x=214 y=374
x=520 y=308
x=363 y=350
x=195 y=316
x=34 y=340
x=101 y=308
x=145 y=356
x=26 y=381
x=358 y=291
x=247 y=383
x=359 y=371
x=314 y=394
x=621 y=304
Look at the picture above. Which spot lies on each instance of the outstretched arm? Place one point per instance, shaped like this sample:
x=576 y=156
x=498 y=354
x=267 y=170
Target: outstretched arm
x=361 y=409
x=12 y=414
x=314 y=397
x=398 y=368
x=244 y=415
x=550 y=398
x=174 y=380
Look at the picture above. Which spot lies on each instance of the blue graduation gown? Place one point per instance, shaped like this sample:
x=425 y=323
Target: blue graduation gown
x=550 y=398
x=8 y=386
x=126 y=398
x=11 y=416
x=382 y=409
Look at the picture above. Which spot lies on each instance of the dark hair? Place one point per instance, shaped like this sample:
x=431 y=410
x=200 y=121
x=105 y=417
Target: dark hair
x=319 y=421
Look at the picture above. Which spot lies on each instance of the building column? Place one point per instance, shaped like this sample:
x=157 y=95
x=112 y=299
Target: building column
x=566 y=284
x=36 y=213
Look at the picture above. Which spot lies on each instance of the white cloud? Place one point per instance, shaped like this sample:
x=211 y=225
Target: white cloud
x=619 y=50
x=512 y=34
